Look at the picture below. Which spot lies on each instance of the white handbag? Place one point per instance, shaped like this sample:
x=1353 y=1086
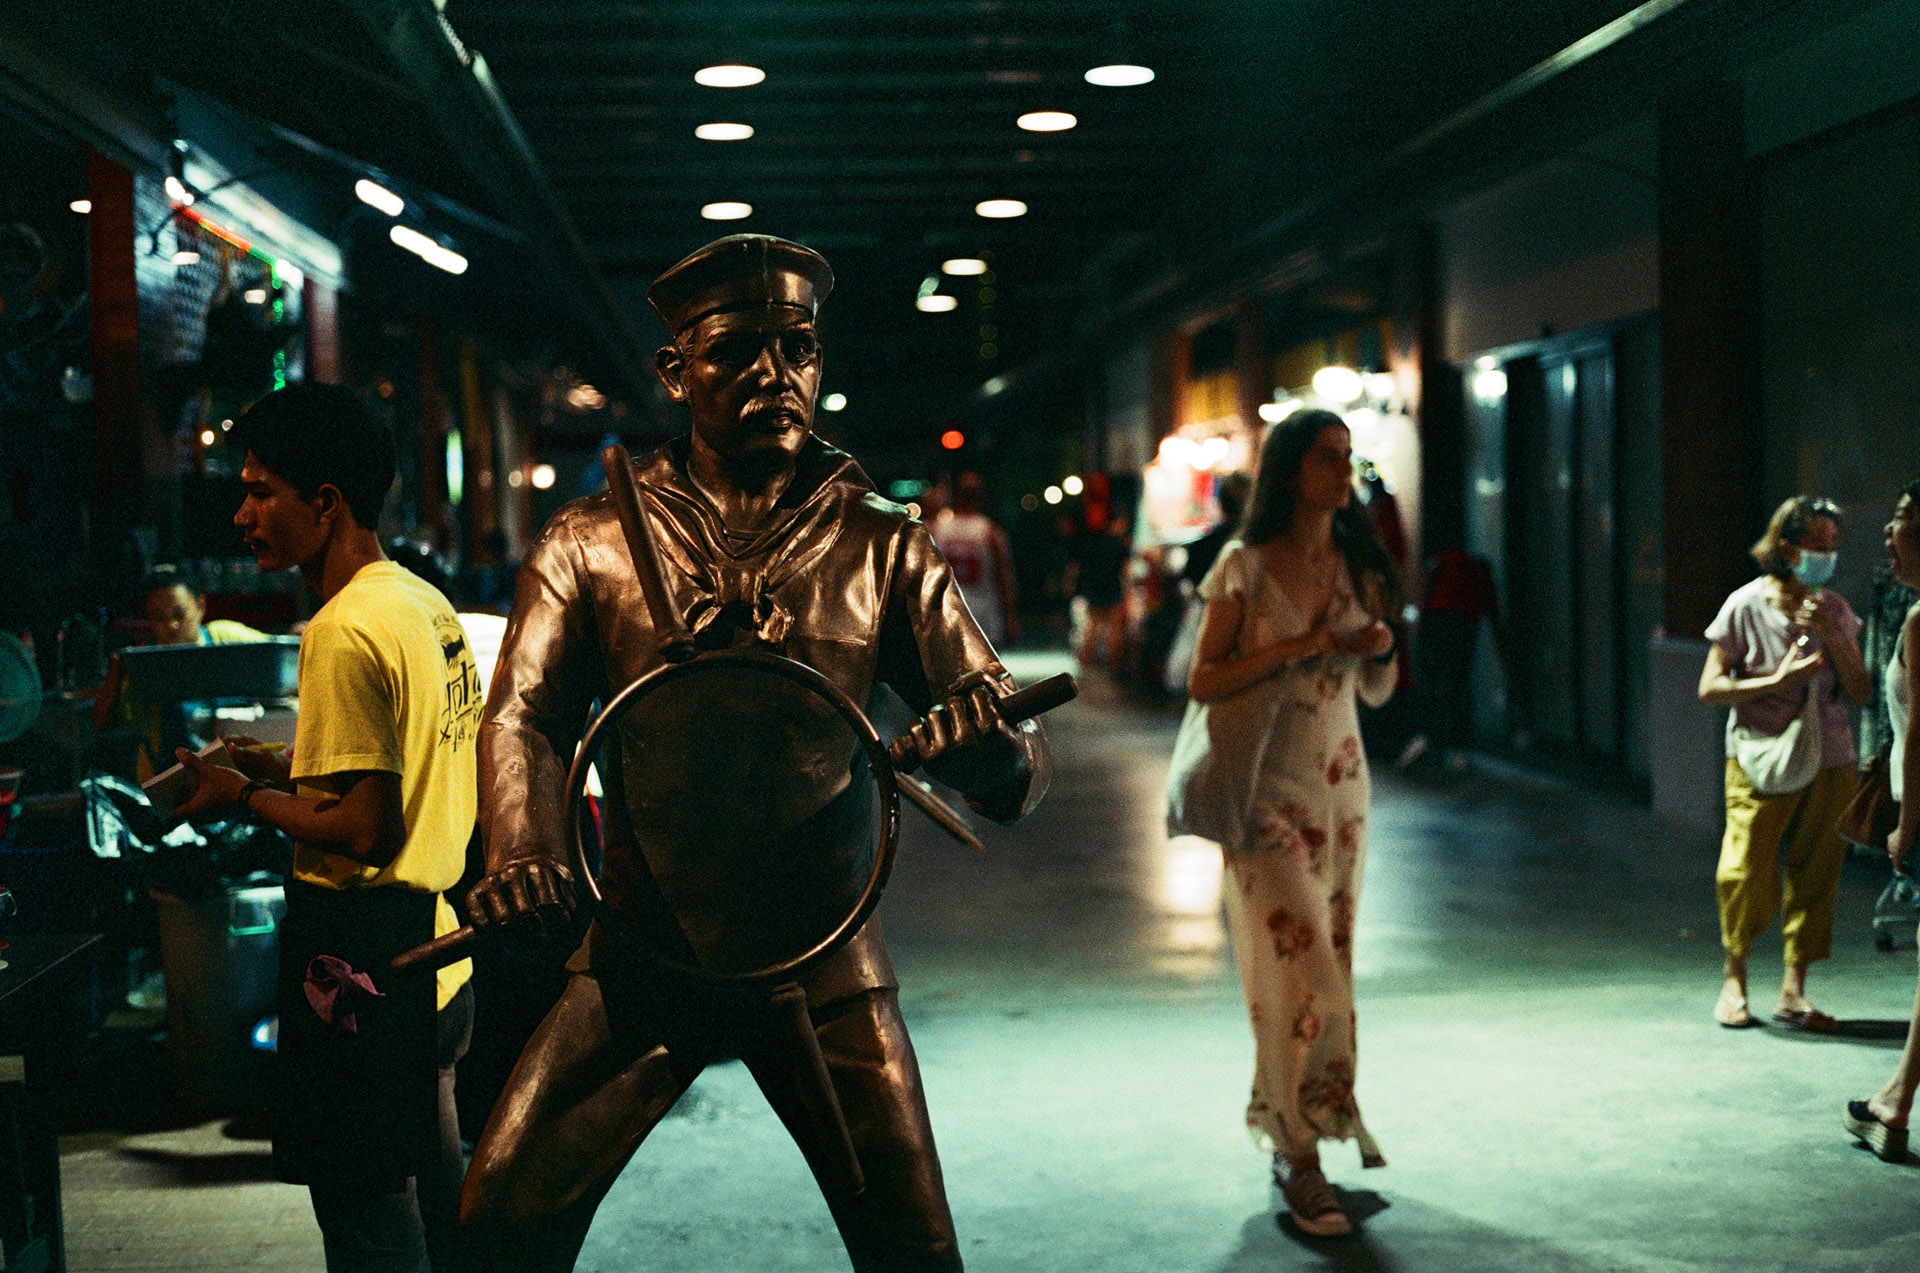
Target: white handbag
x=1783 y=763
x=1219 y=748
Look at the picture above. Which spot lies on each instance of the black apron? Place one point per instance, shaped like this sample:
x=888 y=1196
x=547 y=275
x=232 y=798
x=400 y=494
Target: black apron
x=358 y=1108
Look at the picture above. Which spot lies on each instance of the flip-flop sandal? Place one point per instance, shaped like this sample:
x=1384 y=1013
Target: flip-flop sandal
x=1731 y=1012
x=1889 y=1144
x=1809 y=1019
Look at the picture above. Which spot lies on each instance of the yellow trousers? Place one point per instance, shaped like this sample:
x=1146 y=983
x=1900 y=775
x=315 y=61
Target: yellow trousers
x=1780 y=854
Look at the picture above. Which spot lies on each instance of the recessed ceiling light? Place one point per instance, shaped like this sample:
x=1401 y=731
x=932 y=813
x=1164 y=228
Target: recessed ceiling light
x=729 y=75
x=936 y=304
x=375 y=195
x=1047 y=121
x=82 y=206
x=186 y=256
x=1120 y=75
x=1000 y=209
x=726 y=210
x=723 y=132
x=964 y=266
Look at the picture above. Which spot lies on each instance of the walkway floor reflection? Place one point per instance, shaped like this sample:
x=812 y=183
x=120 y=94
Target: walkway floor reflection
x=1537 y=967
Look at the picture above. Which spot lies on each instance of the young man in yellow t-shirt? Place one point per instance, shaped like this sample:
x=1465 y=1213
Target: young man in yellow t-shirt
x=378 y=796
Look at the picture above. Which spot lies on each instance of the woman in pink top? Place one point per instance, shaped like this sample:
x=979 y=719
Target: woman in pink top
x=1777 y=641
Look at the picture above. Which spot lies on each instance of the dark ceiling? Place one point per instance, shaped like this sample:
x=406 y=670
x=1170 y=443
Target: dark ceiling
x=881 y=123
x=879 y=126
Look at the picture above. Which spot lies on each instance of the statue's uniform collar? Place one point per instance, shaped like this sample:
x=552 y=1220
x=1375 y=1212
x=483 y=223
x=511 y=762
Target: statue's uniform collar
x=728 y=572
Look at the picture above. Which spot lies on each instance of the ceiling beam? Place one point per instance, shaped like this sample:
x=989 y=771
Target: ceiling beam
x=458 y=94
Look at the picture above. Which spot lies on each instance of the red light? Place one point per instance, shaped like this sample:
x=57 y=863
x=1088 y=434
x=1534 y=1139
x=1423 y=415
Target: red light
x=953 y=439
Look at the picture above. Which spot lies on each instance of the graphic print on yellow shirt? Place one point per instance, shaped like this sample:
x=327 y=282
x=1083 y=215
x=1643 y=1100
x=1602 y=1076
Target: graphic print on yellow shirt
x=388 y=682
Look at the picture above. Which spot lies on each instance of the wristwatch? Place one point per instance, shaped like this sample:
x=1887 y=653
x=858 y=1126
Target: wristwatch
x=247 y=794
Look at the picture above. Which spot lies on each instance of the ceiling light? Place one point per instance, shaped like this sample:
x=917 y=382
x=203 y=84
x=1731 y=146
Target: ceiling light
x=726 y=210
x=82 y=206
x=1381 y=385
x=427 y=249
x=935 y=304
x=834 y=402
x=963 y=265
x=1489 y=383
x=254 y=296
x=952 y=440
x=289 y=274
x=178 y=192
x=1337 y=384
x=375 y=195
x=542 y=477
x=208 y=437
x=516 y=479
x=1046 y=121
x=1052 y=495
x=186 y=256
x=729 y=75
x=1073 y=485
x=1120 y=75
x=1000 y=209
x=723 y=132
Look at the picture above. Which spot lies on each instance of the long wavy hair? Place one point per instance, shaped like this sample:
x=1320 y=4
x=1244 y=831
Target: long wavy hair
x=1275 y=499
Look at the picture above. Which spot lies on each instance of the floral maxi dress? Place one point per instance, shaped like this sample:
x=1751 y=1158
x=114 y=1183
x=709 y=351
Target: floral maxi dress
x=1294 y=879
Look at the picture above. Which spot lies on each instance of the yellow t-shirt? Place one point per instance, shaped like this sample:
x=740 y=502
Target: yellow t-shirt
x=387 y=682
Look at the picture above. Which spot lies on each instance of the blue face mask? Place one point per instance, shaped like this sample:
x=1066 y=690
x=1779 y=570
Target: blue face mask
x=1814 y=569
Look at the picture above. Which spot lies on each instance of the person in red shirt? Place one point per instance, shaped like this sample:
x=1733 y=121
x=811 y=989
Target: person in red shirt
x=1462 y=594
x=976 y=551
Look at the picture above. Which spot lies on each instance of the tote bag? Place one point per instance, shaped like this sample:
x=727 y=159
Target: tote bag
x=1783 y=763
x=1219 y=749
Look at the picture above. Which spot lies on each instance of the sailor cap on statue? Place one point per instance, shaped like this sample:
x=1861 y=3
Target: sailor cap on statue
x=741 y=271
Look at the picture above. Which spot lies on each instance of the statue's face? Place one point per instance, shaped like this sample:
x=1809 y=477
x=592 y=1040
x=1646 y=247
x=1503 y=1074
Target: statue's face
x=749 y=378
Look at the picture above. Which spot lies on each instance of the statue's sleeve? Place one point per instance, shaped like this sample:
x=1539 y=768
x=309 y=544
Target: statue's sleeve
x=546 y=679
x=931 y=650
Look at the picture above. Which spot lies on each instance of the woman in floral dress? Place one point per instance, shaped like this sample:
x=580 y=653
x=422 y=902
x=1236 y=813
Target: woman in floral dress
x=1270 y=765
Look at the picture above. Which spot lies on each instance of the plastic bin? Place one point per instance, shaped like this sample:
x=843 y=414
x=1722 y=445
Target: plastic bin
x=221 y=957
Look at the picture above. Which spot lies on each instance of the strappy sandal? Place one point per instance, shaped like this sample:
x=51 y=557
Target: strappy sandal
x=1889 y=1144
x=1314 y=1209
x=1809 y=1019
x=1730 y=1010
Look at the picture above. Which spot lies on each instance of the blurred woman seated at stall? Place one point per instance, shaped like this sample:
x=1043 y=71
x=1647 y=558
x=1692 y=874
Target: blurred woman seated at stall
x=176 y=613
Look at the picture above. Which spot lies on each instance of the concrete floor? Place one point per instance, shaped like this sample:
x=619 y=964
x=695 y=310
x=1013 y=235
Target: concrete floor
x=1536 y=968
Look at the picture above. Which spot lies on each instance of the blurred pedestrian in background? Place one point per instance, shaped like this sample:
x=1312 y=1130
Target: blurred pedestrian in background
x=1881 y=1120
x=1461 y=596
x=976 y=550
x=1097 y=576
x=1783 y=653
x=1230 y=493
x=1268 y=764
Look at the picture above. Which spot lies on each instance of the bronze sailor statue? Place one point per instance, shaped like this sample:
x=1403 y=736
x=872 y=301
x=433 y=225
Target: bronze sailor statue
x=748 y=810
